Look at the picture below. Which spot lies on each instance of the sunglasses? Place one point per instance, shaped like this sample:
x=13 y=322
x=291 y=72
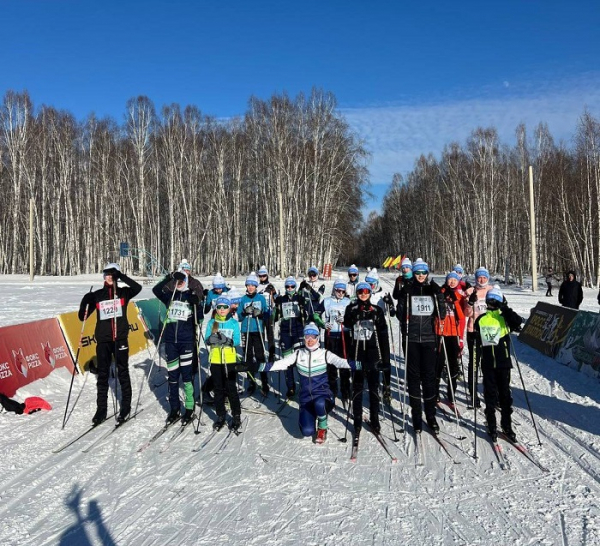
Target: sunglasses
x=222 y=306
x=363 y=291
x=262 y=276
x=420 y=272
x=352 y=274
x=289 y=287
x=312 y=274
x=310 y=336
x=339 y=290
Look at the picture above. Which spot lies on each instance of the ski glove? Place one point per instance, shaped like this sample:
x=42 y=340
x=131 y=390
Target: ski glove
x=382 y=366
x=355 y=365
x=220 y=340
x=194 y=299
x=248 y=311
x=472 y=298
x=178 y=276
x=256 y=312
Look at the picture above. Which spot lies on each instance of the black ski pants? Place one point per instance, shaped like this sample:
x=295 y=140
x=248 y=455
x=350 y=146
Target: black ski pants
x=421 y=362
x=496 y=391
x=224 y=379
x=335 y=344
x=255 y=350
x=372 y=375
x=473 y=371
x=104 y=352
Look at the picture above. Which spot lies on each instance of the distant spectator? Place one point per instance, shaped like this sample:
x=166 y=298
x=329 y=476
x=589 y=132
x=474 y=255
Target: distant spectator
x=570 y=293
x=549 y=279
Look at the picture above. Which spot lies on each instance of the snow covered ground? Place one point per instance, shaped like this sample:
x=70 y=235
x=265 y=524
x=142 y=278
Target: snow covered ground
x=268 y=486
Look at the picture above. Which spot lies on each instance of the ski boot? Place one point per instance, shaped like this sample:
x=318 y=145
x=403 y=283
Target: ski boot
x=251 y=388
x=173 y=416
x=187 y=417
x=219 y=423
x=493 y=432
x=99 y=416
x=236 y=423
x=321 y=436
x=375 y=426
x=123 y=415
x=433 y=425
x=509 y=433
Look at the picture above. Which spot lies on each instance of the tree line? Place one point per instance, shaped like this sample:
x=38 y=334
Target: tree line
x=280 y=185
x=471 y=205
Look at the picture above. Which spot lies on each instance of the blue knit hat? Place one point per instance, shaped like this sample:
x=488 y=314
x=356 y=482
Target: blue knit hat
x=353 y=270
x=339 y=284
x=452 y=275
x=420 y=265
x=234 y=296
x=405 y=263
x=252 y=279
x=263 y=270
x=311 y=329
x=222 y=300
x=313 y=269
x=218 y=281
x=363 y=285
x=495 y=294
x=482 y=272
x=290 y=281
x=372 y=276
x=459 y=269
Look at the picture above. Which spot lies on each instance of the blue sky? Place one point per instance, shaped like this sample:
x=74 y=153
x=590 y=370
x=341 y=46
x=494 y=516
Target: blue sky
x=409 y=76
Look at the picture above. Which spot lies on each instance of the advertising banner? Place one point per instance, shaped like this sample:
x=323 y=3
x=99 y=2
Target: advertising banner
x=29 y=352
x=547 y=327
x=581 y=348
x=71 y=326
x=153 y=312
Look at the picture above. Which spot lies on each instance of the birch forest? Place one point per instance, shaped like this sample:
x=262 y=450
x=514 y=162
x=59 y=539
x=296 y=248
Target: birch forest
x=284 y=186
x=471 y=205
x=280 y=186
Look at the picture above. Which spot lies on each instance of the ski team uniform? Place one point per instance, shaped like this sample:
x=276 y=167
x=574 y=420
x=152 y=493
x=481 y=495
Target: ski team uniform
x=222 y=360
x=184 y=310
x=112 y=331
x=492 y=329
x=337 y=340
x=316 y=399
x=253 y=330
x=370 y=346
x=416 y=312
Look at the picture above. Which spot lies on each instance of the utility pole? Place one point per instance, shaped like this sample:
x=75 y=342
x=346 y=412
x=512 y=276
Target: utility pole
x=31 y=257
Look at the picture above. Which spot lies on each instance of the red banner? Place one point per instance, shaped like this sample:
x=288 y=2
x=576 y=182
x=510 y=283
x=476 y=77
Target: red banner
x=29 y=352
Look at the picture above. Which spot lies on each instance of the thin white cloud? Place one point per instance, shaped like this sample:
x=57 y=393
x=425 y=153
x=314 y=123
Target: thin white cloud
x=397 y=135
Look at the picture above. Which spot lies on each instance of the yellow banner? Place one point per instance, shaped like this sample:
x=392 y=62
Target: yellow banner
x=71 y=327
x=386 y=262
x=397 y=260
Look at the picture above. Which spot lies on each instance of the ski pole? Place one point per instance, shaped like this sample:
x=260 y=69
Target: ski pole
x=115 y=397
x=156 y=352
x=405 y=369
x=475 y=373
x=76 y=362
x=526 y=396
x=394 y=351
x=382 y=404
x=198 y=346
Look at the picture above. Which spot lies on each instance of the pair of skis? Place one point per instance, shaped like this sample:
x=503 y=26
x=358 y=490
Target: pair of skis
x=225 y=441
x=380 y=440
x=498 y=451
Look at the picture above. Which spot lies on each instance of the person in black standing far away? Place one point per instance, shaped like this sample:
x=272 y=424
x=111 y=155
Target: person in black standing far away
x=112 y=331
x=570 y=293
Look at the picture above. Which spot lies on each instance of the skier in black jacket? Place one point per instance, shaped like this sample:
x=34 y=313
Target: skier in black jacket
x=418 y=304
x=112 y=330
x=570 y=293
x=371 y=346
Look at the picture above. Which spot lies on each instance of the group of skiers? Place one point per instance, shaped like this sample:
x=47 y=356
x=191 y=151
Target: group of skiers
x=354 y=325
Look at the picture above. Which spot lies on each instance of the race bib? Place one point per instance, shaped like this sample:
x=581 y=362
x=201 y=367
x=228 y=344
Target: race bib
x=290 y=310
x=110 y=309
x=490 y=335
x=227 y=332
x=179 y=310
x=363 y=330
x=480 y=307
x=422 y=306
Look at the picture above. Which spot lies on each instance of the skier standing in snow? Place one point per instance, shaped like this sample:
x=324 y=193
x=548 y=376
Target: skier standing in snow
x=219 y=287
x=112 y=331
x=387 y=305
x=315 y=399
x=370 y=346
x=405 y=277
x=462 y=283
x=451 y=333
x=309 y=289
x=353 y=280
x=336 y=336
x=269 y=292
x=477 y=300
x=549 y=279
x=492 y=329
x=251 y=312
x=184 y=309
x=291 y=309
x=416 y=313
x=223 y=336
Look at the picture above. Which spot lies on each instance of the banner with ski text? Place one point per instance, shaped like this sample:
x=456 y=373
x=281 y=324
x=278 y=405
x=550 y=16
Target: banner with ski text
x=581 y=348
x=547 y=327
x=31 y=351
x=71 y=326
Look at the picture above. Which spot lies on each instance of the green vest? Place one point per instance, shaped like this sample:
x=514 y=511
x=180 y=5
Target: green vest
x=492 y=327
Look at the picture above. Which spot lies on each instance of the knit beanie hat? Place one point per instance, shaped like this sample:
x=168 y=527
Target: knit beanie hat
x=420 y=265
x=459 y=269
x=353 y=270
x=218 y=281
x=495 y=294
x=363 y=286
x=405 y=263
x=311 y=329
x=313 y=269
x=252 y=279
x=223 y=300
x=372 y=276
x=452 y=275
x=339 y=284
x=185 y=265
x=263 y=270
x=290 y=281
